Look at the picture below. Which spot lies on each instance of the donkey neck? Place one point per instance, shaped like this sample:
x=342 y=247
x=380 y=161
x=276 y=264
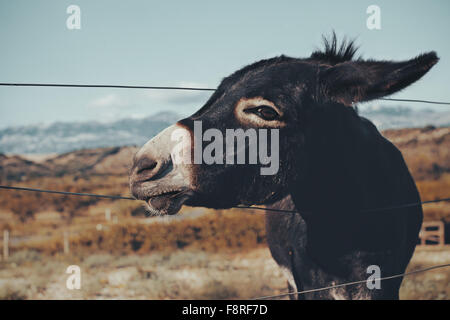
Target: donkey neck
x=344 y=174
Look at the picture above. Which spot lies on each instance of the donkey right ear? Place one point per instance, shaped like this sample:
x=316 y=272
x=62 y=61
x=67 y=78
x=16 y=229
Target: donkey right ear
x=357 y=81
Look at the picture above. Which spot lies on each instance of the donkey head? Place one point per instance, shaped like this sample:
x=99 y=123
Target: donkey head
x=282 y=95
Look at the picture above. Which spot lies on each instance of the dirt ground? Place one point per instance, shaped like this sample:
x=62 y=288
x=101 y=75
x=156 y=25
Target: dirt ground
x=181 y=275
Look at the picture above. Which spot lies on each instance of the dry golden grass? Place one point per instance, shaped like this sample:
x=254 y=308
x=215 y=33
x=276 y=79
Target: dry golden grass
x=436 y=189
x=39 y=219
x=211 y=232
x=182 y=274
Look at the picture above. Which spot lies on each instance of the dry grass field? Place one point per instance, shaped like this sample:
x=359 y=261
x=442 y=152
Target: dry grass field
x=182 y=274
x=198 y=254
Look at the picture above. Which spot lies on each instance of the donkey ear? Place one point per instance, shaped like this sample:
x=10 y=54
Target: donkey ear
x=357 y=81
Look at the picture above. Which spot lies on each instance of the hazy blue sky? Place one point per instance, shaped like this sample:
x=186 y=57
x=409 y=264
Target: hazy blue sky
x=193 y=43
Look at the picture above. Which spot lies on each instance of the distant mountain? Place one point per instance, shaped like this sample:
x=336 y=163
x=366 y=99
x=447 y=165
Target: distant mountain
x=399 y=117
x=426 y=151
x=61 y=137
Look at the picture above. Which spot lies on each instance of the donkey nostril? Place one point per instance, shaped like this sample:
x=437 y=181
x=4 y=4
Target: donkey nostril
x=148 y=168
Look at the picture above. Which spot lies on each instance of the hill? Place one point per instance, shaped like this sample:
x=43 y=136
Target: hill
x=426 y=150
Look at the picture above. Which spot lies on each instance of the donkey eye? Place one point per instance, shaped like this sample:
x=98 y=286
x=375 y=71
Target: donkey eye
x=265 y=112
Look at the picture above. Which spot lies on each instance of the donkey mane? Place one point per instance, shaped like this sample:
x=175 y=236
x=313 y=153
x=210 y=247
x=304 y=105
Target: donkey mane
x=333 y=53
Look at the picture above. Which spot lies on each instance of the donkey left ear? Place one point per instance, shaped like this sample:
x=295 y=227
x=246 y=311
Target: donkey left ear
x=357 y=81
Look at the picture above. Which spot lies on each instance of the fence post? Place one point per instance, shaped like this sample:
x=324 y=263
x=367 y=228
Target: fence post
x=66 y=242
x=108 y=214
x=5 y=245
x=441 y=234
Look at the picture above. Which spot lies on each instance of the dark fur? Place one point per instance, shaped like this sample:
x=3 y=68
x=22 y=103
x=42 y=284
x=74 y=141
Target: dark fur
x=331 y=241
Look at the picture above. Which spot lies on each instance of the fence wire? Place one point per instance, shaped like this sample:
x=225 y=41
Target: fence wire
x=115 y=197
x=118 y=86
x=352 y=283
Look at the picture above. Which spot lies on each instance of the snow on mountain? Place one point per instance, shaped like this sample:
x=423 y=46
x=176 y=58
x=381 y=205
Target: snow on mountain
x=399 y=117
x=63 y=137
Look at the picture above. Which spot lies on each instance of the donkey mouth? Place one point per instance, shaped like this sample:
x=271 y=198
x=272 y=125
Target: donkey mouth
x=167 y=203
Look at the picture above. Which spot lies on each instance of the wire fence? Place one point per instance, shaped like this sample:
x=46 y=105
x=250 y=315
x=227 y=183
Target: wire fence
x=353 y=283
x=115 y=197
x=118 y=197
x=117 y=86
x=103 y=86
x=277 y=296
